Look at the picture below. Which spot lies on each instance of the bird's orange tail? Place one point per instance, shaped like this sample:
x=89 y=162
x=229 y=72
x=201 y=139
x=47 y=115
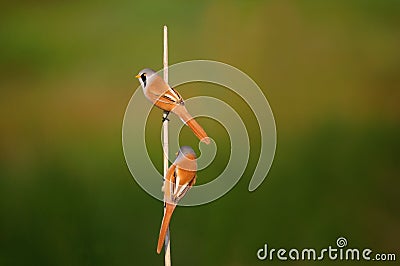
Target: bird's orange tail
x=198 y=131
x=184 y=115
x=164 y=226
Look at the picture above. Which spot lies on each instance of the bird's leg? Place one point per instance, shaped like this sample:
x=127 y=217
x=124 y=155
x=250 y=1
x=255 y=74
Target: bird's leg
x=165 y=116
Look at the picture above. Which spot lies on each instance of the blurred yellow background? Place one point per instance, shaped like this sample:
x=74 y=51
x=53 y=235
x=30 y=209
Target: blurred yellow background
x=330 y=71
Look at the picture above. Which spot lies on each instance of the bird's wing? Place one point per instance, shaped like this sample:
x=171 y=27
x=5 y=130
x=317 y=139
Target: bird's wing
x=183 y=189
x=158 y=89
x=169 y=182
x=173 y=95
x=179 y=188
x=169 y=97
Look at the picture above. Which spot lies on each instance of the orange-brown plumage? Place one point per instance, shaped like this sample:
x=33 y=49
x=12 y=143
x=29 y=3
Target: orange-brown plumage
x=181 y=176
x=168 y=99
x=169 y=209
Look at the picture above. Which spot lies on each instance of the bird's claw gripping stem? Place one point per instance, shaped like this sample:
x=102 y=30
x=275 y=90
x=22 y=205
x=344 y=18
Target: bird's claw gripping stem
x=165 y=116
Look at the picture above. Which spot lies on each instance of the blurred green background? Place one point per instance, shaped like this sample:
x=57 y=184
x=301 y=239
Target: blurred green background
x=330 y=70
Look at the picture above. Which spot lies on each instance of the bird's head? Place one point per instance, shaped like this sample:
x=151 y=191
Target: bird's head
x=144 y=76
x=187 y=152
x=186 y=159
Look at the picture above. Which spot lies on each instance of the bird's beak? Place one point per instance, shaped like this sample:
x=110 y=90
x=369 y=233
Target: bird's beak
x=137 y=76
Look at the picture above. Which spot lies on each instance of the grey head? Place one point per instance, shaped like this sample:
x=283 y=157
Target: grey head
x=186 y=150
x=144 y=76
x=187 y=159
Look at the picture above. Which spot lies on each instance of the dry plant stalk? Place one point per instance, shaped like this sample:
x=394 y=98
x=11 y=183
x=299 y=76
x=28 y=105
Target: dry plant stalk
x=167 y=243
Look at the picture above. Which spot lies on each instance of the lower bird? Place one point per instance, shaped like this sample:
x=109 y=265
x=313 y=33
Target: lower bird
x=181 y=176
x=166 y=98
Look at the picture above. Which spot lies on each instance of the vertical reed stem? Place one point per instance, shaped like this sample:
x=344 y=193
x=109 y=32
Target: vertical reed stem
x=167 y=243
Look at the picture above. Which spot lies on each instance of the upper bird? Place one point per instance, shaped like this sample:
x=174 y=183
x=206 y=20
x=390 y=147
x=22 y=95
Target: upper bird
x=166 y=98
x=181 y=176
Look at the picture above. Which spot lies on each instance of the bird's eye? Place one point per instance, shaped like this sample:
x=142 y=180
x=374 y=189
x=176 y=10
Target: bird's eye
x=143 y=77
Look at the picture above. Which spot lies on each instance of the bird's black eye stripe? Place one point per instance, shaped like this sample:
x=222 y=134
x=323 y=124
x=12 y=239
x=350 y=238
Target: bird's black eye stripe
x=143 y=77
